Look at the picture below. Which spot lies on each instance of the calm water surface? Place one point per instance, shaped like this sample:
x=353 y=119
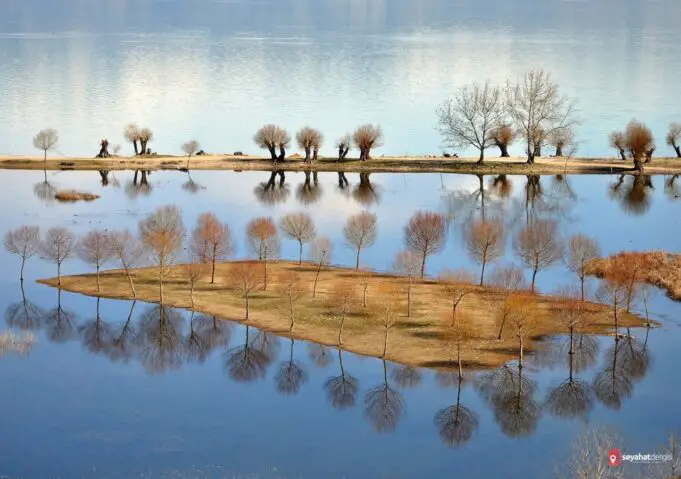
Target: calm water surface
x=218 y=70
x=77 y=406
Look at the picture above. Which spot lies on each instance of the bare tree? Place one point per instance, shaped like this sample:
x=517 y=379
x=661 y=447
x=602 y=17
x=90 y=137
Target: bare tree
x=503 y=137
x=190 y=148
x=128 y=251
x=298 y=227
x=244 y=279
x=537 y=109
x=57 y=247
x=638 y=139
x=344 y=144
x=612 y=291
x=23 y=242
x=116 y=149
x=46 y=140
x=508 y=278
x=145 y=136
x=193 y=271
x=561 y=140
x=425 y=235
x=94 y=248
x=522 y=319
x=132 y=134
x=581 y=250
x=310 y=140
x=457 y=284
x=321 y=252
x=360 y=231
x=367 y=137
x=211 y=241
x=407 y=263
x=674 y=138
x=290 y=289
x=589 y=458
x=617 y=141
x=485 y=242
x=388 y=319
x=263 y=241
x=162 y=233
x=343 y=301
x=571 y=313
x=272 y=137
x=471 y=117
x=538 y=246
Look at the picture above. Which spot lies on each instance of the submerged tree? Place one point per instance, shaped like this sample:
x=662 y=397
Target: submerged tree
x=46 y=140
x=127 y=251
x=471 y=117
x=425 y=234
x=342 y=389
x=291 y=375
x=23 y=242
x=407 y=263
x=321 y=251
x=538 y=246
x=383 y=405
x=360 y=232
x=485 y=242
x=95 y=249
x=366 y=138
x=272 y=137
x=310 y=140
x=263 y=241
x=538 y=109
x=57 y=247
x=503 y=137
x=162 y=233
x=581 y=250
x=298 y=227
x=211 y=241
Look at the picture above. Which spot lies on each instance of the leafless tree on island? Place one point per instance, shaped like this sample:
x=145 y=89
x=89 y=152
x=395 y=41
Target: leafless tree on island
x=23 y=242
x=360 y=232
x=485 y=241
x=310 y=140
x=132 y=134
x=581 y=250
x=193 y=271
x=538 y=109
x=162 y=233
x=407 y=263
x=244 y=279
x=613 y=292
x=95 y=249
x=342 y=302
x=321 y=252
x=298 y=227
x=638 y=140
x=538 y=246
x=145 y=136
x=366 y=138
x=457 y=284
x=388 y=318
x=263 y=241
x=470 y=118
x=674 y=138
x=617 y=141
x=272 y=137
x=46 y=140
x=128 y=251
x=290 y=290
x=190 y=148
x=58 y=246
x=425 y=234
x=344 y=144
x=503 y=137
x=211 y=241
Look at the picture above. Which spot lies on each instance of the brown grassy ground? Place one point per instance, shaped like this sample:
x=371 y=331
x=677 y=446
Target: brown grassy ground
x=493 y=165
x=69 y=196
x=660 y=269
x=416 y=341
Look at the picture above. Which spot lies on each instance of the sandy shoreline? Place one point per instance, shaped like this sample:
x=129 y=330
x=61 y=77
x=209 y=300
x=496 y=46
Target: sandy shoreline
x=426 y=164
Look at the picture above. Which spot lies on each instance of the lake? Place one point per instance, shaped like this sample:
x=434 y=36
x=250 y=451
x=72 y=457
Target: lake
x=76 y=406
x=218 y=70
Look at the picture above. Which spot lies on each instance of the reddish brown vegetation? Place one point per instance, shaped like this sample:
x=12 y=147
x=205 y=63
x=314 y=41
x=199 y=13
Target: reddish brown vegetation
x=70 y=196
x=211 y=241
x=262 y=239
x=425 y=235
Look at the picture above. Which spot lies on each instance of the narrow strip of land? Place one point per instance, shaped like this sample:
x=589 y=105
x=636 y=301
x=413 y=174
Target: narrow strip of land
x=493 y=165
x=419 y=340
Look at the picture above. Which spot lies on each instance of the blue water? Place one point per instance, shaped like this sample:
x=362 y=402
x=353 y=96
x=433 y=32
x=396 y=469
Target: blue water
x=70 y=409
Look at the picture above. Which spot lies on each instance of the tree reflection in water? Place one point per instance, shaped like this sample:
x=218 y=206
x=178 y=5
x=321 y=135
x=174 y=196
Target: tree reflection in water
x=96 y=334
x=246 y=363
x=139 y=185
x=196 y=345
x=365 y=193
x=456 y=424
x=59 y=323
x=613 y=384
x=309 y=192
x=383 y=405
x=215 y=331
x=343 y=184
x=273 y=192
x=671 y=187
x=406 y=377
x=23 y=314
x=319 y=354
x=291 y=375
x=633 y=193
x=192 y=186
x=124 y=339
x=341 y=390
x=44 y=190
x=160 y=339
x=511 y=397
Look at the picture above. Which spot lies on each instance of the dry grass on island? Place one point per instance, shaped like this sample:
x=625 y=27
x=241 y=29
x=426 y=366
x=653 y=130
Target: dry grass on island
x=656 y=268
x=71 y=196
x=370 y=305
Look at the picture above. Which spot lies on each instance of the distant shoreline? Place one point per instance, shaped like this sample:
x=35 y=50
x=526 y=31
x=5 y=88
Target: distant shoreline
x=386 y=164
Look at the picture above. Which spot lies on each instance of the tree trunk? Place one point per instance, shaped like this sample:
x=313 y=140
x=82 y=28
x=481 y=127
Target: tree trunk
x=501 y=327
x=458 y=361
x=482 y=273
x=340 y=154
x=623 y=155
x=409 y=298
x=503 y=148
x=246 y=296
x=638 y=164
x=385 y=343
x=307 y=154
x=319 y=269
x=300 y=252
x=134 y=145
x=581 y=281
x=212 y=273
x=290 y=304
x=559 y=150
x=572 y=342
x=45 y=157
x=678 y=151
x=132 y=286
x=160 y=281
x=345 y=153
x=98 y=289
x=189 y=157
x=423 y=264
x=340 y=331
x=282 y=153
x=21 y=274
x=534 y=278
x=265 y=284
x=359 y=248
x=273 y=153
x=191 y=294
x=482 y=156
x=59 y=274
x=522 y=351
x=364 y=300
x=315 y=154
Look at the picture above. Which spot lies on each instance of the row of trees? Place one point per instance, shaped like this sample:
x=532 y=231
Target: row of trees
x=638 y=142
